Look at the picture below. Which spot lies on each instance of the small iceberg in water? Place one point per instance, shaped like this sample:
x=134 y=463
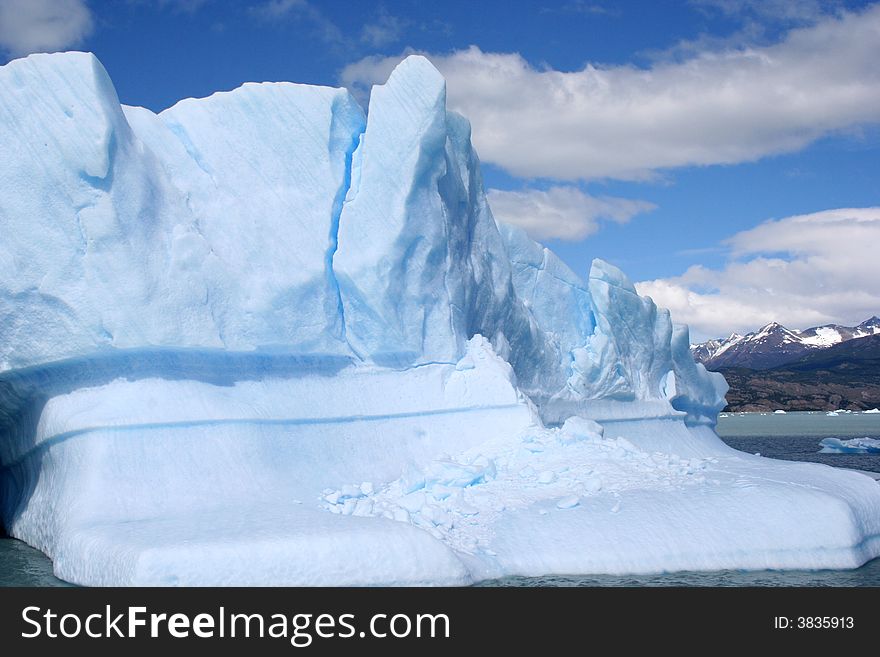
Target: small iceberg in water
x=851 y=446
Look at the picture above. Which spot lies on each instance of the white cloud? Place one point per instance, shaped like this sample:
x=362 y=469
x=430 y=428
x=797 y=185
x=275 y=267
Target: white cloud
x=801 y=271
x=28 y=26
x=715 y=107
x=385 y=30
x=564 y=213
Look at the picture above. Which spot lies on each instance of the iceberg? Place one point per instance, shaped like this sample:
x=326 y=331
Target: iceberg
x=850 y=446
x=266 y=338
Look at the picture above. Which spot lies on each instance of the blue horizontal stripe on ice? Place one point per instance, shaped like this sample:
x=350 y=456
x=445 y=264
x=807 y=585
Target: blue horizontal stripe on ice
x=215 y=366
x=24 y=392
x=343 y=419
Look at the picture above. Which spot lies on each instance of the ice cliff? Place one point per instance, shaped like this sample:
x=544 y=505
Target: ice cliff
x=281 y=333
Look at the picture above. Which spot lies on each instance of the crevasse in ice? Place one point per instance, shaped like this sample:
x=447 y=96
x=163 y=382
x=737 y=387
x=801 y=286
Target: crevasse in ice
x=262 y=338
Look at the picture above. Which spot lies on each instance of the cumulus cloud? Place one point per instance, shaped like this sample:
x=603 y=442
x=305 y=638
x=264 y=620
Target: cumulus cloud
x=28 y=26
x=801 y=271
x=562 y=212
x=713 y=107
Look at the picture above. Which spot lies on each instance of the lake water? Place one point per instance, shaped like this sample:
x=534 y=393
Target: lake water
x=22 y=565
x=789 y=436
x=796 y=436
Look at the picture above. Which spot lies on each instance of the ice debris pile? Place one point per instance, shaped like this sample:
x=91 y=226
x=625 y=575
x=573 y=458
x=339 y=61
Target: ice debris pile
x=458 y=499
x=264 y=338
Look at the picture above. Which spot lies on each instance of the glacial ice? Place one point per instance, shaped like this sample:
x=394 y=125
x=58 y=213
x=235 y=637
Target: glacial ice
x=850 y=446
x=264 y=338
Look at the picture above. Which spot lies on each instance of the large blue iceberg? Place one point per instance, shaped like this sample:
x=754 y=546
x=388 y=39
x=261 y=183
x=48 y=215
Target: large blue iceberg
x=262 y=338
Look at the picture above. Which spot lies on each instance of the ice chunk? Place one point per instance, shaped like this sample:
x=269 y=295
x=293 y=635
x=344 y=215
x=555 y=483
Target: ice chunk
x=414 y=502
x=593 y=484
x=582 y=429
x=458 y=475
x=568 y=502
x=850 y=446
x=547 y=477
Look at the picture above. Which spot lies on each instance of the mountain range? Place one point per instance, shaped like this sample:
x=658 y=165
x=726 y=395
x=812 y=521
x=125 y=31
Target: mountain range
x=822 y=368
x=774 y=345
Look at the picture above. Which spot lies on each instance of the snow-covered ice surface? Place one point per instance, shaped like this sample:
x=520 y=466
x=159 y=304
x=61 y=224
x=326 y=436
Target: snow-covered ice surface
x=850 y=446
x=266 y=338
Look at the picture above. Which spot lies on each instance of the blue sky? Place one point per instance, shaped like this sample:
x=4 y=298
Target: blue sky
x=712 y=149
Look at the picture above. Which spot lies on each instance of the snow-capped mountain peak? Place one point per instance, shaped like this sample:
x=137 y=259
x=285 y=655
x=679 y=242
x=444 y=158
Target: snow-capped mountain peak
x=774 y=344
x=869 y=326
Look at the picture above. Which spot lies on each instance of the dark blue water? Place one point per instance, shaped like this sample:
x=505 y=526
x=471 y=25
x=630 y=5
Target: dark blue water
x=867 y=575
x=22 y=565
x=793 y=437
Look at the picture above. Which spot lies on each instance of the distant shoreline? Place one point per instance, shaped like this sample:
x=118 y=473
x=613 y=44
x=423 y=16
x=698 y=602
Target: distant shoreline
x=853 y=387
